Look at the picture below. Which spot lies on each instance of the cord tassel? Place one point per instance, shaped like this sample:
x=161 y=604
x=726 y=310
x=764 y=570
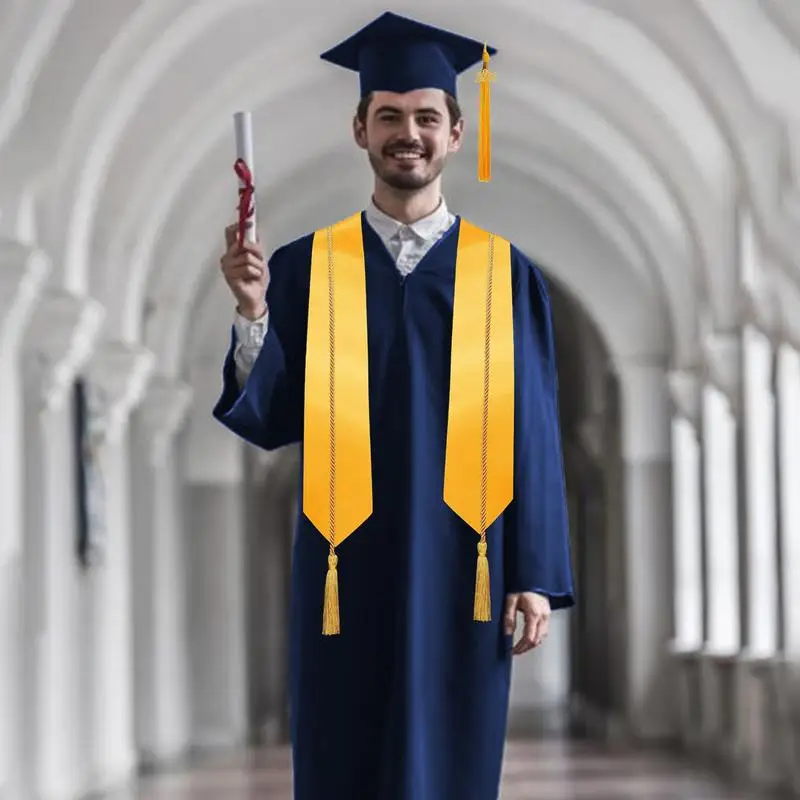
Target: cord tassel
x=483 y=598
x=484 y=78
x=330 y=612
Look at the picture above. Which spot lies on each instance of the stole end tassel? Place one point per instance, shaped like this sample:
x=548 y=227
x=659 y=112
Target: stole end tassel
x=483 y=600
x=330 y=612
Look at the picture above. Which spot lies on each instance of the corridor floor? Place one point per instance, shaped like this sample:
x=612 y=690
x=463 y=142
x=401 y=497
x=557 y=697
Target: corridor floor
x=535 y=770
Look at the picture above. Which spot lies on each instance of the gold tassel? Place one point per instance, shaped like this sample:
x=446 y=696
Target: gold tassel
x=330 y=612
x=484 y=78
x=483 y=598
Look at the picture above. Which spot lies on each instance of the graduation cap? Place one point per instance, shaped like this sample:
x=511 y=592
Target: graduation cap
x=397 y=54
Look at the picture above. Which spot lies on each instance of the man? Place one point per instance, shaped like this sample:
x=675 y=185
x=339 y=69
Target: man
x=412 y=355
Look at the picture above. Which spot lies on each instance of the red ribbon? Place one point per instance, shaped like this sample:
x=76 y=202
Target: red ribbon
x=246 y=194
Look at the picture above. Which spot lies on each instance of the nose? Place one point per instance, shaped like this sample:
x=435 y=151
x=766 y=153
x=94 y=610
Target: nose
x=409 y=128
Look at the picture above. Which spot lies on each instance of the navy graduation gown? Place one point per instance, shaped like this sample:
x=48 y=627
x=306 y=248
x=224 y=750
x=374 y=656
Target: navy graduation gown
x=410 y=700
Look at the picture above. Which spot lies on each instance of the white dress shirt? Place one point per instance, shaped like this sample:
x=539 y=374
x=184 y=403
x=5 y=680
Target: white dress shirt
x=407 y=245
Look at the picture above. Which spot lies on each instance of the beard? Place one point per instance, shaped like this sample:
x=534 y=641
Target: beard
x=393 y=174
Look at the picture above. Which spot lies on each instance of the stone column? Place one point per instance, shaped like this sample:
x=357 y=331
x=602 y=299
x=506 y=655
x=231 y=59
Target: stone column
x=687 y=533
x=788 y=386
x=721 y=412
x=687 y=511
x=760 y=737
x=647 y=523
x=721 y=407
x=221 y=566
x=785 y=721
x=161 y=668
x=23 y=271
x=761 y=545
x=271 y=479
x=117 y=378
x=56 y=349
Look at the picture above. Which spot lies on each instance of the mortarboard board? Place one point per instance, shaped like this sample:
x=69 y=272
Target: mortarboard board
x=397 y=54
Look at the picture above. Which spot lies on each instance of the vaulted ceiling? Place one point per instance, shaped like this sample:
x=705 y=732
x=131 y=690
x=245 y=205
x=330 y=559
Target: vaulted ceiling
x=633 y=142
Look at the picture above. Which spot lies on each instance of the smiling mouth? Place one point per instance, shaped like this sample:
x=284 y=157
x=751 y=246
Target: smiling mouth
x=408 y=156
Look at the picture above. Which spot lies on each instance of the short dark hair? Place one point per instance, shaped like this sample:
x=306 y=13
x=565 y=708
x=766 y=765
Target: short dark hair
x=453 y=108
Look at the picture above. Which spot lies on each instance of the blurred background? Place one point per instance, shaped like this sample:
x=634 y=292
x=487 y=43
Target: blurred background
x=646 y=155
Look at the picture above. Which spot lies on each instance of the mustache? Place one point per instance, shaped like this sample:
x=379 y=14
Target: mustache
x=401 y=147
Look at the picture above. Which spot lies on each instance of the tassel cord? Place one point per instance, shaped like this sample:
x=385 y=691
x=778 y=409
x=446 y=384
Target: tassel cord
x=483 y=607
x=330 y=614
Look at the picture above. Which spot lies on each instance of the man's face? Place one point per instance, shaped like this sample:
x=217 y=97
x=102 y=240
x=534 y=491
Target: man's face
x=408 y=137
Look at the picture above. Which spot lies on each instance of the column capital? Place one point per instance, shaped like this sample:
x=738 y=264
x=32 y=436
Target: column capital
x=686 y=393
x=118 y=374
x=163 y=413
x=723 y=365
x=787 y=296
x=23 y=272
x=787 y=353
x=61 y=342
x=759 y=307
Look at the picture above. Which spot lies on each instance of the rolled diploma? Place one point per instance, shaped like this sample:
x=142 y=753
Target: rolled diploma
x=243 y=126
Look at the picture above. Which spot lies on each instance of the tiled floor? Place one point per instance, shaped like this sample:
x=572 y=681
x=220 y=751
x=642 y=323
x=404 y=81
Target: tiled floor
x=535 y=770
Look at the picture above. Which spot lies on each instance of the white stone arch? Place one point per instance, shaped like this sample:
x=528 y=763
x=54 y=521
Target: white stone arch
x=670 y=271
x=564 y=19
x=80 y=175
x=80 y=172
x=27 y=31
x=770 y=26
x=614 y=66
x=651 y=194
x=690 y=191
x=756 y=139
x=512 y=22
x=77 y=35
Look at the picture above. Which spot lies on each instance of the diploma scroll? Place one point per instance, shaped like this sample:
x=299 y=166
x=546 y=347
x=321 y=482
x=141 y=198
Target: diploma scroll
x=243 y=128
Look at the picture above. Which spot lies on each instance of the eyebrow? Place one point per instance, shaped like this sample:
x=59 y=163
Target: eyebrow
x=396 y=110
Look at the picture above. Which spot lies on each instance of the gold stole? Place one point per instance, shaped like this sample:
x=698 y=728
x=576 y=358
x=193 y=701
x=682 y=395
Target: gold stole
x=479 y=458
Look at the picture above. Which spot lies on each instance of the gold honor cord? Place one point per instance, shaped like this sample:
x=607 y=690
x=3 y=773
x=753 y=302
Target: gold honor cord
x=479 y=460
x=337 y=463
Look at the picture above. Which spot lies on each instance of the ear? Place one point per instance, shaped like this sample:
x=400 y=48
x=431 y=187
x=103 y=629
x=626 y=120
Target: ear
x=359 y=133
x=456 y=136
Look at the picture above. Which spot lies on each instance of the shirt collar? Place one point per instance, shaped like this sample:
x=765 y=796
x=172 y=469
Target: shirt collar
x=426 y=229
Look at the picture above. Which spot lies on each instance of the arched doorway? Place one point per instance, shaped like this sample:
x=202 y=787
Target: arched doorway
x=573 y=682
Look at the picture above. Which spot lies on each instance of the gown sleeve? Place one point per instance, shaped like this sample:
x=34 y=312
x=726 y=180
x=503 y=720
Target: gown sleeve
x=537 y=538
x=268 y=410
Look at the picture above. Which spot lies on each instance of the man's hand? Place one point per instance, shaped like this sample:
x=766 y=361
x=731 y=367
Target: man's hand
x=536 y=610
x=245 y=273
